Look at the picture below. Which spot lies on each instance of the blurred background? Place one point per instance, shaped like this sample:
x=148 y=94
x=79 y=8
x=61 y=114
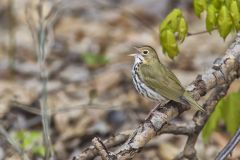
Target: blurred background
x=89 y=87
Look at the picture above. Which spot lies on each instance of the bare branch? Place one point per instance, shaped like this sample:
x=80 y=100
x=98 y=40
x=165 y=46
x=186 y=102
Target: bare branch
x=197 y=33
x=222 y=73
x=102 y=150
x=200 y=120
x=13 y=143
x=172 y=128
x=178 y=128
x=230 y=146
x=91 y=151
x=189 y=150
x=41 y=27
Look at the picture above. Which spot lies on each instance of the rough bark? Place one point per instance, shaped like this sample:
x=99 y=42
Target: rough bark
x=223 y=72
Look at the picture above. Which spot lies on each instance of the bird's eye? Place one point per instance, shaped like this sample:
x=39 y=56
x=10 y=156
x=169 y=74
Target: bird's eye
x=145 y=52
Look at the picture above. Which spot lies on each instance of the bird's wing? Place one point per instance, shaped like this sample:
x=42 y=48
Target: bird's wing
x=162 y=81
x=172 y=76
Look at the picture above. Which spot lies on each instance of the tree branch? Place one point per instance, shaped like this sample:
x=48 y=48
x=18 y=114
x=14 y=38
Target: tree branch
x=102 y=150
x=223 y=72
x=172 y=128
x=177 y=128
x=200 y=120
x=91 y=151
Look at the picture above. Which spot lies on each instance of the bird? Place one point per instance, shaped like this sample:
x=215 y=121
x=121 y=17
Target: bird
x=154 y=80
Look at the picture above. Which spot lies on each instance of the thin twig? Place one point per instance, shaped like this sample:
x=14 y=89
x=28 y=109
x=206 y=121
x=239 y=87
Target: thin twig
x=11 y=31
x=197 y=33
x=13 y=143
x=41 y=30
x=43 y=100
x=102 y=149
x=230 y=146
x=95 y=106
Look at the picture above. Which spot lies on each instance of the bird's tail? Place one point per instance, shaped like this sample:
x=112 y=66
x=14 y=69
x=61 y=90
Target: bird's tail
x=192 y=102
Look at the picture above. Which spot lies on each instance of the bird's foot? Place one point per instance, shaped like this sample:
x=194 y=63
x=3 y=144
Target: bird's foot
x=162 y=103
x=152 y=110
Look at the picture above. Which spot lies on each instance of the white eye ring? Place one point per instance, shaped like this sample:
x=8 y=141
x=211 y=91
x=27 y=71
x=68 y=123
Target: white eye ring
x=145 y=52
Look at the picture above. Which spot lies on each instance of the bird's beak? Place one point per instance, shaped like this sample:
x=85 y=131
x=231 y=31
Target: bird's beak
x=132 y=55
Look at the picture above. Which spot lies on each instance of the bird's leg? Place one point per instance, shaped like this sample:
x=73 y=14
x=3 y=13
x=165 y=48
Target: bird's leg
x=156 y=107
x=152 y=110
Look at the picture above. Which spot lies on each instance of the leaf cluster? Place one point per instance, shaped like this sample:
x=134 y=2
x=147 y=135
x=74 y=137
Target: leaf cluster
x=174 y=27
x=228 y=111
x=223 y=15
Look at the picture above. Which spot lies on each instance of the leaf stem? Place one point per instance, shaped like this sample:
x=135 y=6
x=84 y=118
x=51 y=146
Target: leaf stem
x=197 y=33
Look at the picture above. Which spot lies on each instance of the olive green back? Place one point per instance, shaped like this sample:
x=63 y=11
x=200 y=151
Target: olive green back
x=160 y=79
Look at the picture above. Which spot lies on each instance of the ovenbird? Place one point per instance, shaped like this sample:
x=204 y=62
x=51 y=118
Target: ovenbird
x=154 y=80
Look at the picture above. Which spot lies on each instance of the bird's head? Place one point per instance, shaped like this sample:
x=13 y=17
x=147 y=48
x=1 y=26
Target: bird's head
x=145 y=54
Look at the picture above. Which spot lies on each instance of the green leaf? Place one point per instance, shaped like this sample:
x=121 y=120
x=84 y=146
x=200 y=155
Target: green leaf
x=224 y=22
x=171 y=21
x=39 y=150
x=217 y=3
x=199 y=6
x=162 y=41
x=228 y=110
x=174 y=22
x=231 y=112
x=234 y=11
x=30 y=141
x=169 y=43
x=94 y=60
x=182 y=29
x=211 y=19
x=228 y=3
